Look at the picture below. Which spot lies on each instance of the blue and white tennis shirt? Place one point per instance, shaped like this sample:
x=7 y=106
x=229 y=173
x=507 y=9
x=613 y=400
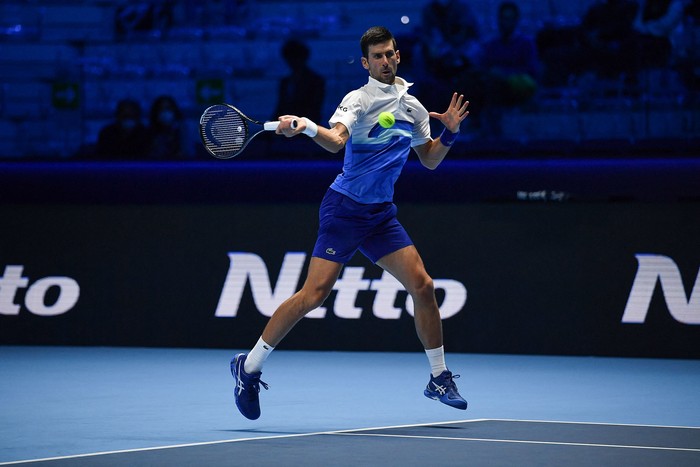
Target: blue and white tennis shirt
x=374 y=156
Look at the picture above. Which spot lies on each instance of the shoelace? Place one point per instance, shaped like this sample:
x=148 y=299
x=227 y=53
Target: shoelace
x=450 y=376
x=257 y=382
x=449 y=380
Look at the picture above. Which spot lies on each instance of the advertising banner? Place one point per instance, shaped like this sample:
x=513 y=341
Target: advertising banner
x=612 y=279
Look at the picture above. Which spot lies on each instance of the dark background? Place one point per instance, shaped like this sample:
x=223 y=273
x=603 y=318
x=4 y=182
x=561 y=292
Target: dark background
x=541 y=222
x=542 y=277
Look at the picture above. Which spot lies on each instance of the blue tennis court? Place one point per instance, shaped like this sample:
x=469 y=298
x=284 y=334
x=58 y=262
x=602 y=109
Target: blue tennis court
x=140 y=406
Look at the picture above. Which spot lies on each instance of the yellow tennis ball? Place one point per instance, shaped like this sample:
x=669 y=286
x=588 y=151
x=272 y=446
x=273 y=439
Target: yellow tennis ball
x=386 y=119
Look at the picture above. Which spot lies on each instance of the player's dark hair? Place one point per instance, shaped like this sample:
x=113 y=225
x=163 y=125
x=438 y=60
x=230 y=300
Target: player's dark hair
x=375 y=35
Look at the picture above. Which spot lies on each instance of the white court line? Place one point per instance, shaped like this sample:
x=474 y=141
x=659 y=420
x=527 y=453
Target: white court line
x=592 y=423
x=358 y=432
x=236 y=440
x=519 y=441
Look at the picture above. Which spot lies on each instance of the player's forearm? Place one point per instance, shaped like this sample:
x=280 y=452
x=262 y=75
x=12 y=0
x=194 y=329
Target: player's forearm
x=329 y=140
x=435 y=154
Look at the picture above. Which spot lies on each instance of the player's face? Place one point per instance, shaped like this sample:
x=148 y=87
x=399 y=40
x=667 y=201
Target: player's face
x=382 y=62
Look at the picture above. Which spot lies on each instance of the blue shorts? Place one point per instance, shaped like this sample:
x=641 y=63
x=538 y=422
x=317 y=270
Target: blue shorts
x=346 y=226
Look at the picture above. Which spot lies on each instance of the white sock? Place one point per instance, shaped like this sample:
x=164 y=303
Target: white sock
x=257 y=356
x=436 y=357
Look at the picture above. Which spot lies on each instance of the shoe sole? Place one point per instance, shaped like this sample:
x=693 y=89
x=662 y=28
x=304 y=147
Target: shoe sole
x=458 y=404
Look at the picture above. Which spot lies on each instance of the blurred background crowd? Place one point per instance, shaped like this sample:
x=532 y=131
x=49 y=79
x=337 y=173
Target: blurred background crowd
x=118 y=80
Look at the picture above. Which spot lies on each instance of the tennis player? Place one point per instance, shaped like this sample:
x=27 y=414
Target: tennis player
x=357 y=212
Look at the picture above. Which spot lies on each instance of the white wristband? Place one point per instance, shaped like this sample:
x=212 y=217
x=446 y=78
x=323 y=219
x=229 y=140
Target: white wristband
x=311 y=129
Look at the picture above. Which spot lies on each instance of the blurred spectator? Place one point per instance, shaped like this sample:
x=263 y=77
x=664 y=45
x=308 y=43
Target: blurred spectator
x=510 y=61
x=692 y=10
x=451 y=34
x=126 y=137
x=604 y=42
x=559 y=47
x=686 y=53
x=143 y=17
x=449 y=48
x=656 y=21
x=510 y=69
x=165 y=130
x=302 y=91
x=608 y=38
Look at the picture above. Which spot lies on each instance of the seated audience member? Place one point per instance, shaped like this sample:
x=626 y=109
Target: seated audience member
x=655 y=22
x=686 y=53
x=603 y=42
x=510 y=69
x=448 y=50
x=451 y=33
x=609 y=42
x=166 y=133
x=126 y=137
x=509 y=61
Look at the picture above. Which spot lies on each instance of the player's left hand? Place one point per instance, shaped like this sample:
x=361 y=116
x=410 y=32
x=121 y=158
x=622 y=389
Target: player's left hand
x=455 y=113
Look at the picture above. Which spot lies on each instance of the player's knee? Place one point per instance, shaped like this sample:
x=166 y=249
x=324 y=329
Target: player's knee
x=314 y=297
x=425 y=289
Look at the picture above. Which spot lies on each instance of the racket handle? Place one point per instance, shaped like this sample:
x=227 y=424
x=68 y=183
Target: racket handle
x=272 y=126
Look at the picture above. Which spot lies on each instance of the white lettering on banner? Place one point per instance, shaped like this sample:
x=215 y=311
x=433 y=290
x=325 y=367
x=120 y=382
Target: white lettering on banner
x=658 y=268
x=347 y=286
x=387 y=287
x=246 y=267
x=35 y=298
x=249 y=268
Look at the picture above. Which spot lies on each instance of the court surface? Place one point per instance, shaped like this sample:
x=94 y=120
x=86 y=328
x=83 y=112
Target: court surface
x=70 y=406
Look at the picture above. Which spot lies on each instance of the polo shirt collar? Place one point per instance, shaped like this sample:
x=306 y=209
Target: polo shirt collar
x=399 y=87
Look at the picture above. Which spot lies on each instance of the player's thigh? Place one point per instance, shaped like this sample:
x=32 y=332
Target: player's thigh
x=321 y=276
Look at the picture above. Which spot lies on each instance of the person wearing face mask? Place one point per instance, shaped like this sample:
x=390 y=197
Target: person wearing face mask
x=165 y=130
x=126 y=138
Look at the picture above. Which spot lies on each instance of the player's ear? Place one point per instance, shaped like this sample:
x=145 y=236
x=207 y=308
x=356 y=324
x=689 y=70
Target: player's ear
x=398 y=57
x=365 y=63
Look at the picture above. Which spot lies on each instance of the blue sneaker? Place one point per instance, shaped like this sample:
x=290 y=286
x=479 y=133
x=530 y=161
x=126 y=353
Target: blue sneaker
x=443 y=388
x=247 y=388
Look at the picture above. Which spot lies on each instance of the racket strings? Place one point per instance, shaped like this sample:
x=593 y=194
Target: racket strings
x=225 y=132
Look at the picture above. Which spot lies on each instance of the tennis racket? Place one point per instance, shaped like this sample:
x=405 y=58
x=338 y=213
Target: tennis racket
x=226 y=131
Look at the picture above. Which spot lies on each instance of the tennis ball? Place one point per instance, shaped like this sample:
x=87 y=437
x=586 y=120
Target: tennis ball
x=386 y=119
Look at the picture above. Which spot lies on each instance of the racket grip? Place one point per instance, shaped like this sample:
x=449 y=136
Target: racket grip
x=272 y=126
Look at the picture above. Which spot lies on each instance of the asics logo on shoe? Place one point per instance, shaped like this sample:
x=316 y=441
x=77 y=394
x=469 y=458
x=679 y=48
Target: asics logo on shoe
x=441 y=389
x=240 y=387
